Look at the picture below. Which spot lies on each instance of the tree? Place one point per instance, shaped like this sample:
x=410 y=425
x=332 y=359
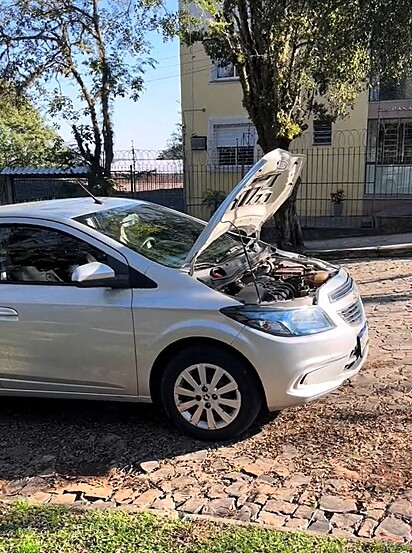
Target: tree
x=174 y=148
x=25 y=139
x=299 y=58
x=98 y=46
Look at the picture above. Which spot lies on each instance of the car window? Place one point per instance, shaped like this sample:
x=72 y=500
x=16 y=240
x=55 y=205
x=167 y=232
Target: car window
x=30 y=254
x=158 y=233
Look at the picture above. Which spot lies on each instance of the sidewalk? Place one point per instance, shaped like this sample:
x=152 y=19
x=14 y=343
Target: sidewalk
x=358 y=246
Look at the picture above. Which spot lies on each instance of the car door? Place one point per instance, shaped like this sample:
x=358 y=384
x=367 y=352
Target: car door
x=54 y=336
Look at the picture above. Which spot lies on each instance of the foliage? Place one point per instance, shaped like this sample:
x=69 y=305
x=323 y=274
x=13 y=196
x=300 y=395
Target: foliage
x=25 y=139
x=174 y=148
x=100 y=48
x=298 y=58
x=295 y=59
x=337 y=197
x=58 y=530
x=213 y=198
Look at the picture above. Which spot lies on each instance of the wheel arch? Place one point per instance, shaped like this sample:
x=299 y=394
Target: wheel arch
x=173 y=349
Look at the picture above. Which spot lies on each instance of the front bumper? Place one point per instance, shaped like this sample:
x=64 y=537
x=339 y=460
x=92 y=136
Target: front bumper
x=297 y=370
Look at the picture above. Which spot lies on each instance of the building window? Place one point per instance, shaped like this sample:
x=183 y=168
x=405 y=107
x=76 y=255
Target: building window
x=227 y=71
x=236 y=155
x=391 y=91
x=389 y=157
x=233 y=145
x=222 y=70
x=322 y=133
x=395 y=142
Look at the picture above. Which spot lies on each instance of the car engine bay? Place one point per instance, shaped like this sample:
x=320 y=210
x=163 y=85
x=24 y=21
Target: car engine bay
x=268 y=276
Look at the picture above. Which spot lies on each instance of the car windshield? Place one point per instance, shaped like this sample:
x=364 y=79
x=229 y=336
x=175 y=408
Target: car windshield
x=158 y=233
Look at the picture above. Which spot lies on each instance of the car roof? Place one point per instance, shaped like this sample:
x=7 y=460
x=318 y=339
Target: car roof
x=57 y=210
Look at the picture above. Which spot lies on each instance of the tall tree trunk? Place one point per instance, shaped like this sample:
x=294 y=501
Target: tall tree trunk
x=97 y=179
x=287 y=225
x=284 y=230
x=107 y=129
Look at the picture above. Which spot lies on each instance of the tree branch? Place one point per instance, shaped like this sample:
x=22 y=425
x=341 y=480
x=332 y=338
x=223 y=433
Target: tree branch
x=82 y=85
x=84 y=151
x=105 y=94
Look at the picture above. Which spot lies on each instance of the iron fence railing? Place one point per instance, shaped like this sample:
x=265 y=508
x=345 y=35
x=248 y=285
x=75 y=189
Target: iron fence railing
x=370 y=172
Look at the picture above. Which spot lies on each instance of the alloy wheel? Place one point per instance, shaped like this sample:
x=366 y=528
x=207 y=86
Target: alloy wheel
x=207 y=396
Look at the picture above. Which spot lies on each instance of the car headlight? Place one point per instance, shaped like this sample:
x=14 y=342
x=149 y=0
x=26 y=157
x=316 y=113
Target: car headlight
x=282 y=322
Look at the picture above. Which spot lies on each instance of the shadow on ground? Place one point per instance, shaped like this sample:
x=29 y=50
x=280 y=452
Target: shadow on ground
x=81 y=438
x=387 y=298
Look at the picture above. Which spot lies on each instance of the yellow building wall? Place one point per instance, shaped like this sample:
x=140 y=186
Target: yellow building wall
x=327 y=169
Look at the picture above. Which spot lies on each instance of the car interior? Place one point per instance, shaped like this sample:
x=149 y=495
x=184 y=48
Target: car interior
x=25 y=259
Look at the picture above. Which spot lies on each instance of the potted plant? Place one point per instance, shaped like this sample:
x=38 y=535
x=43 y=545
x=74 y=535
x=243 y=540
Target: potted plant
x=213 y=199
x=337 y=202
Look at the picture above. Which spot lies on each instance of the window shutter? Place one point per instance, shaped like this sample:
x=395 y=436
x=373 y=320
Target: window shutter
x=322 y=133
x=234 y=144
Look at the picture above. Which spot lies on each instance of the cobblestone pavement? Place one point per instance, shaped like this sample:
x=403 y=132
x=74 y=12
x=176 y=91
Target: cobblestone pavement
x=341 y=465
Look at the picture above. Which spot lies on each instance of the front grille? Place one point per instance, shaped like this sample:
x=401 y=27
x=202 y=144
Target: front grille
x=347 y=287
x=353 y=314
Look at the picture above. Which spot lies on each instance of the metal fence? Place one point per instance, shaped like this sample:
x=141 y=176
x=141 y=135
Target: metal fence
x=349 y=183
x=139 y=174
x=26 y=184
x=369 y=172
x=31 y=189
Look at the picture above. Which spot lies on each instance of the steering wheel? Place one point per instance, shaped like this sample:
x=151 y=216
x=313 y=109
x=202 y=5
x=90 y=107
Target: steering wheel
x=148 y=243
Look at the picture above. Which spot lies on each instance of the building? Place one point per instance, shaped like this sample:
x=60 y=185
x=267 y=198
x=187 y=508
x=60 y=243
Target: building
x=388 y=182
x=365 y=155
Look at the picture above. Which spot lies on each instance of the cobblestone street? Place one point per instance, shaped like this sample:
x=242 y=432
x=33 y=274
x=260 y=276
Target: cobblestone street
x=341 y=465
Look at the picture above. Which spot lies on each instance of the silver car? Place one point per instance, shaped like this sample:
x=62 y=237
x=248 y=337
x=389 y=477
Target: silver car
x=116 y=299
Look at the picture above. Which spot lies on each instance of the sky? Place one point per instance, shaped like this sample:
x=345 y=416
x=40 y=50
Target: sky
x=149 y=122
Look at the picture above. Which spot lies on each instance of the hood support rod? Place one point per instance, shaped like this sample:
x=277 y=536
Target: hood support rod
x=248 y=262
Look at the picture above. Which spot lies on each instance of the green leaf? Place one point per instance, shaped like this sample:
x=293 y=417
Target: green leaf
x=25 y=138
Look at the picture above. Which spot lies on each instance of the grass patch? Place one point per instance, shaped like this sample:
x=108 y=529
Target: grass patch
x=48 y=529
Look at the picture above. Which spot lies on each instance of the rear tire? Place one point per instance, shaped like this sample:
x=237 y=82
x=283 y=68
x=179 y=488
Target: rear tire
x=210 y=394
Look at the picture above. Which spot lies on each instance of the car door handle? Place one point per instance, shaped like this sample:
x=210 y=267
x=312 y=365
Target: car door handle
x=8 y=314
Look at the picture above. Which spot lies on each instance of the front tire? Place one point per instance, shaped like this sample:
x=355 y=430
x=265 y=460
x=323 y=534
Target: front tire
x=210 y=394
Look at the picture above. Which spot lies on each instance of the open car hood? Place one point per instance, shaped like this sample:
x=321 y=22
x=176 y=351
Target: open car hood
x=260 y=193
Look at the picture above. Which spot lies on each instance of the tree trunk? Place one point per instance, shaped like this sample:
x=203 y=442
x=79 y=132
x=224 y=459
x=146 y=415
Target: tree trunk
x=97 y=179
x=100 y=183
x=108 y=158
x=284 y=230
x=288 y=230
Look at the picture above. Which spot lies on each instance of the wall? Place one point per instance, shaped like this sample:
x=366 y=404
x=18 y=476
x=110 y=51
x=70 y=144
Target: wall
x=218 y=99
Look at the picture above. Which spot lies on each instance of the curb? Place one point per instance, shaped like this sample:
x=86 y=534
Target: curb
x=400 y=250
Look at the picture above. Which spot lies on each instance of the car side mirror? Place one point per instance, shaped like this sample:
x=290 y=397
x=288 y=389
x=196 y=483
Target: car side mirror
x=93 y=274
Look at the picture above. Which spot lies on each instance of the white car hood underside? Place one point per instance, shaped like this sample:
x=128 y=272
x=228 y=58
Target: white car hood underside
x=256 y=198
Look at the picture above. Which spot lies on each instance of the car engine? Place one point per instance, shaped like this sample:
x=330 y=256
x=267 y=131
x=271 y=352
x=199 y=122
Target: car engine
x=273 y=279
